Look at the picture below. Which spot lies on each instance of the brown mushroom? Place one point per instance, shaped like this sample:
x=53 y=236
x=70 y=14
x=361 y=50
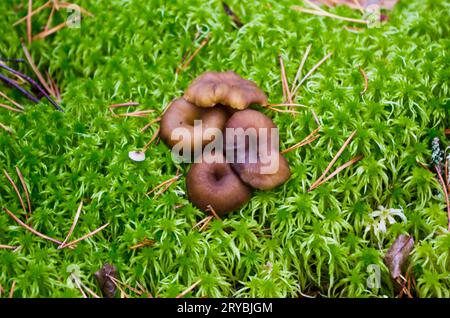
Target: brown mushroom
x=226 y=88
x=217 y=185
x=258 y=162
x=182 y=114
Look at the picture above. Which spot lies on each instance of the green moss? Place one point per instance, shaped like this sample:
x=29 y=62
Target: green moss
x=282 y=242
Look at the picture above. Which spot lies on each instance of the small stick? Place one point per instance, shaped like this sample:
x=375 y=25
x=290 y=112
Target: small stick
x=13 y=287
x=11 y=108
x=366 y=81
x=6 y=128
x=74 y=223
x=46 y=33
x=444 y=188
x=186 y=64
x=302 y=143
x=85 y=236
x=345 y=165
x=15 y=189
x=35 y=69
x=150 y=123
x=333 y=161
x=42 y=7
x=284 y=83
x=327 y=14
x=11 y=101
x=32 y=82
x=211 y=209
x=29 y=31
x=315 y=67
x=24 y=186
x=151 y=140
x=15 y=218
x=300 y=68
x=19 y=88
x=189 y=289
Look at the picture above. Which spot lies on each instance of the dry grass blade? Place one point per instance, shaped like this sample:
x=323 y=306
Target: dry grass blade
x=189 y=289
x=74 y=223
x=333 y=161
x=366 y=81
x=444 y=189
x=315 y=67
x=345 y=165
x=24 y=186
x=13 y=287
x=284 y=82
x=150 y=123
x=16 y=190
x=85 y=236
x=193 y=55
x=308 y=139
x=155 y=134
x=45 y=237
x=11 y=101
x=42 y=7
x=11 y=108
x=48 y=32
x=6 y=128
x=29 y=31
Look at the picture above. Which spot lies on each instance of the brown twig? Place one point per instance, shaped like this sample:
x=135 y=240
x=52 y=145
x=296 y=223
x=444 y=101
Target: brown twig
x=189 y=289
x=345 y=165
x=366 y=81
x=193 y=55
x=24 y=186
x=74 y=223
x=85 y=236
x=45 y=237
x=314 y=185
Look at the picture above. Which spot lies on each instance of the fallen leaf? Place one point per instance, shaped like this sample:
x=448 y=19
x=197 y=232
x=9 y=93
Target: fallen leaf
x=106 y=284
x=358 y=4
x=398 y=254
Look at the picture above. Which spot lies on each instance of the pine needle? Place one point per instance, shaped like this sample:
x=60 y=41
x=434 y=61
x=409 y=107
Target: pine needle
x=193 y=55
x=307 y=140
x=333 y=161
x=6 y=128
x=284 y=83
x=13 y=287
x=11 y=108
x=42 y=7
x=189 y=289
x=366 y=81
x=16 y=190
x=11 y=101
x=155 y=134
x=7 y=247
x=300 y=68
x=29 y=31
x=213 y=212
x=24 y=186
x=139 y=113
x=150 y=123
x=48 y=32
x=85 y=236
x=144 y=243
x=74 y=223
x=320 y=12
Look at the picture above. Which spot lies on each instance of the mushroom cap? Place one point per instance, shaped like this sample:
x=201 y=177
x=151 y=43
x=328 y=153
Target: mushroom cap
x=216 y=184
x=181 y=114
x=226 y=88
x=255 y=165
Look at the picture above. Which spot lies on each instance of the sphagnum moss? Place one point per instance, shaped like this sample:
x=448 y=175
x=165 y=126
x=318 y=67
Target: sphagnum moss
x=281 y=244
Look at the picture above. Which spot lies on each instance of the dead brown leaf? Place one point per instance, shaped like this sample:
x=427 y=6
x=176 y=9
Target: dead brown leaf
x=398 y=254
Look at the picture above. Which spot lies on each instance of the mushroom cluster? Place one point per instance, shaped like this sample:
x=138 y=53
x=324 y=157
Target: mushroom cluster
x=220 y=100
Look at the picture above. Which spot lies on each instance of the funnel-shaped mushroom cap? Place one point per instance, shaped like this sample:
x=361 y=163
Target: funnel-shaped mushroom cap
x=252 y=147
x=226 y=88
x=216 y=184
x=182 y=114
